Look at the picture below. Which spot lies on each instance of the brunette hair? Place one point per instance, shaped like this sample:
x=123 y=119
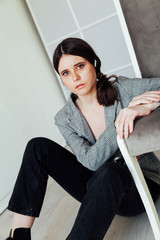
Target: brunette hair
x=106 y=92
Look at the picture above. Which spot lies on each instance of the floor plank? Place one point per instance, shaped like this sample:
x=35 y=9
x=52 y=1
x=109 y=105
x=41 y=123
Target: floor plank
x=58 y=215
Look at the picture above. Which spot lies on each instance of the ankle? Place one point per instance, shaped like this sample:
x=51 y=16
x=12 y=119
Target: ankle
x=20 y=233
x=11 y=233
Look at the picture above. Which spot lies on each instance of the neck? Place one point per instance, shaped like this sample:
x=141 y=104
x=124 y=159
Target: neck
x=88 y=101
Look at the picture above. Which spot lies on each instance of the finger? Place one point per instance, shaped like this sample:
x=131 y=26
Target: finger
x=146 y=100
x=130 y=128
x=126 y=129
x=138 y=102
x=152 y=96
x=131 y=123
x=120 y=123
x=147 y=94
x=152 y=92
x=148 y=97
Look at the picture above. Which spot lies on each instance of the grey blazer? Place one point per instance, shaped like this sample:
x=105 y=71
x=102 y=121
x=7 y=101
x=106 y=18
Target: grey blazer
x=92 y=154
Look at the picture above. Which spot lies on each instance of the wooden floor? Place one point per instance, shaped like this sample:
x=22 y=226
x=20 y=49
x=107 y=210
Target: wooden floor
x=58 y=214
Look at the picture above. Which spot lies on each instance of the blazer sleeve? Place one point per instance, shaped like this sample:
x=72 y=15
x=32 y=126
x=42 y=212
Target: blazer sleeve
x=91 y=156
x=138 y=86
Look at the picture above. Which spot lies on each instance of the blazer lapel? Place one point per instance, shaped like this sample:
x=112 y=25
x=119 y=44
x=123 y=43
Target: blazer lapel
x=81 y=126
x=79 y=123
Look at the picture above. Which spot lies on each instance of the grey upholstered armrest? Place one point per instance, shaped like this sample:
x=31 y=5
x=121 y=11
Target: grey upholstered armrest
x=146 y=135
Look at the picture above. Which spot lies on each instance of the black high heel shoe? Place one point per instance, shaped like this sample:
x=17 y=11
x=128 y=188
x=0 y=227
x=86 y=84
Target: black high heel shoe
x=21 y=234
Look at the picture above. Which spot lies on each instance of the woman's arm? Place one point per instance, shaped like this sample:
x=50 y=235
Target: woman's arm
x=92 y=156
x=145 y=98
x=138 y=86
x=125 y=120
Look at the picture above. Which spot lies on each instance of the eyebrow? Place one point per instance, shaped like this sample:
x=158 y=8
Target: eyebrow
x=74 y=66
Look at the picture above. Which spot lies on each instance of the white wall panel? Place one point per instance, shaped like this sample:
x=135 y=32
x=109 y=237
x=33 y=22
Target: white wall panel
x=127 y=71
x=107 y=38
x=89 y=11
x=53 y=17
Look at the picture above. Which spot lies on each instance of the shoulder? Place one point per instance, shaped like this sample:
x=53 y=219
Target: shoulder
x=126 y=81
x=138 y=85
x=126 y=88
x=123 y=84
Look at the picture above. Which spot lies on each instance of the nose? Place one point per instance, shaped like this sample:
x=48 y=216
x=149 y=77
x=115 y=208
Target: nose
x=75 y=76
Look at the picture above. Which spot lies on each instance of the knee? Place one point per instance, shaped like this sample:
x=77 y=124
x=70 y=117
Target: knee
x=35 y=141
x=36 y=148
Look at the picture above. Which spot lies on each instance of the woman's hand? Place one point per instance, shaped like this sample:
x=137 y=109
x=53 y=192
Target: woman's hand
x=145 y=98
x=141 y=105
x=125 y=120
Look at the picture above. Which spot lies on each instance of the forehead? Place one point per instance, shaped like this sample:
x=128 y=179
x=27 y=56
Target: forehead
x=67 y=61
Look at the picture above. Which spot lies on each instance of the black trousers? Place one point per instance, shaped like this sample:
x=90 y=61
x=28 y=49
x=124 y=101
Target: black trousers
x=108 y=191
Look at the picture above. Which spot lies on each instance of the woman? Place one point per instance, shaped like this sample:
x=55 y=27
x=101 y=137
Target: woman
x=95 y=174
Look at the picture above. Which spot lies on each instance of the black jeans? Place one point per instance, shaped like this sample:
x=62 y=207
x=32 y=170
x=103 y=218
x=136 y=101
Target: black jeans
x=108 y=191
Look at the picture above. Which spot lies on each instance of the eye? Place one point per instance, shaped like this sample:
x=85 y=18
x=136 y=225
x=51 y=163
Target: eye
x=80 y=66
x=65 y=73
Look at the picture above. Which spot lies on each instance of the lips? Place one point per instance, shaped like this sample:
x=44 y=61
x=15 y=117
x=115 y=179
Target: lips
x=80 y=86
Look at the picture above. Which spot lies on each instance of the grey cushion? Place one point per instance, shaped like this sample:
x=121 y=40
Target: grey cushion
x=143 y=22
x=146 y=135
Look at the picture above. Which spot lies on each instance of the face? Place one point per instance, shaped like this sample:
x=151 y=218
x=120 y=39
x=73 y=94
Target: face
x=77 y=74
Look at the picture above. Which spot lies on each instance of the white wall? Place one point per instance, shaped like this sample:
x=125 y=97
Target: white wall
x=30 y=95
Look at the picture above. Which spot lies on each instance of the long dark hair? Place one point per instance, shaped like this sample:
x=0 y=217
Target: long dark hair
x=106 y=93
